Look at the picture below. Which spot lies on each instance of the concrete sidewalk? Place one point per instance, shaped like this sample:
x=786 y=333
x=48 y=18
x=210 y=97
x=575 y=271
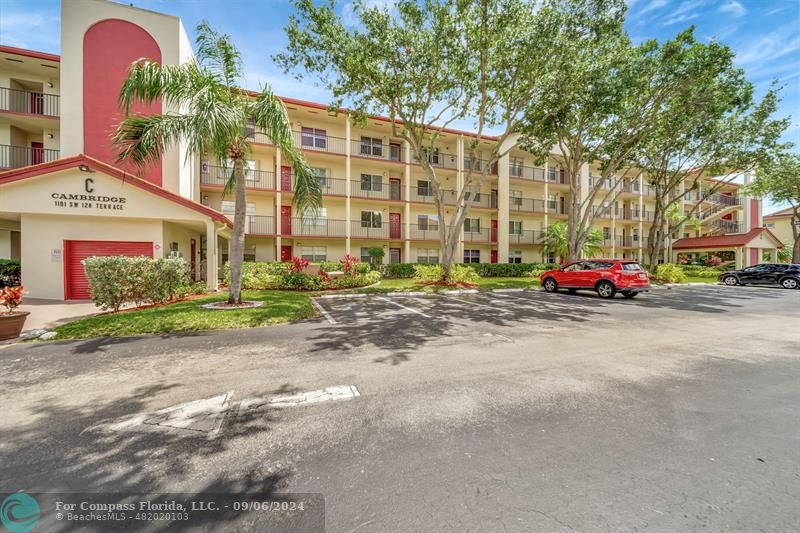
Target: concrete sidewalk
x=52 y=313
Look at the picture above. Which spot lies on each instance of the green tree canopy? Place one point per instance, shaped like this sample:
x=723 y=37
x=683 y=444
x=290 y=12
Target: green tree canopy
x=778 y=178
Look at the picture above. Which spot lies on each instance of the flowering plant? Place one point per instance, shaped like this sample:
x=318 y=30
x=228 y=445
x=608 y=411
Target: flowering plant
x=11 y=297
x=298 y=264
x=713 y=261
x=348 y=263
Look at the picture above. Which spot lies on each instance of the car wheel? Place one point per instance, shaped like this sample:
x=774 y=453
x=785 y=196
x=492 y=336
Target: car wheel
x=730 y=280
x=630 y=295
x=789 y=283
x=606 y=289
x=550 y=285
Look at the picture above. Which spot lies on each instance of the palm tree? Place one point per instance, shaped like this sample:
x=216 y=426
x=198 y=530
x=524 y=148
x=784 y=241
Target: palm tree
x=557 y=241
x=216 y=117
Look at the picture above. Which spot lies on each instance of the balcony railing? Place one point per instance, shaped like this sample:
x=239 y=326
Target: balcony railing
x=526 y=173
x=480 y=235
x=526 y=237
x=377 y=150
x=313 y=227
x=602 y=211
x=358 y=230
x=333 y=186
x=482 y=199
x=726 y=226
x=627 y=214
x=30 y=102
x=23 y=156
x=556 y=176
x=260 y=225
x=216 y=175
x=526 y=205
x=427 y=232
x=442 y=161
x=320 y=143
x=377 y=190
x=626 y=242
x=478 y=165
x=555 y=208
x=724 y=199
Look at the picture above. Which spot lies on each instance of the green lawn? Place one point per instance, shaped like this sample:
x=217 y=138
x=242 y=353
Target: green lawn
x=691 y=279
x=392 y=285
x=280 y=307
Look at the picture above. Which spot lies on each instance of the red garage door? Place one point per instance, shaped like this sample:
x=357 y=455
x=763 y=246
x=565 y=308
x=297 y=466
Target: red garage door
x=75 y=285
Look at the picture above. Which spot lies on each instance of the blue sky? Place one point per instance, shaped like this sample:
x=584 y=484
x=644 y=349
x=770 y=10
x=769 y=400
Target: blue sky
x=765 y=34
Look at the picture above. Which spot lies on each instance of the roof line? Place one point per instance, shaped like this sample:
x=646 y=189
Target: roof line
x=29 y=53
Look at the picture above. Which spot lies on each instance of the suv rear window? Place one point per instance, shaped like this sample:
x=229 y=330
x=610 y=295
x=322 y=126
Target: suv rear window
x=631 y=266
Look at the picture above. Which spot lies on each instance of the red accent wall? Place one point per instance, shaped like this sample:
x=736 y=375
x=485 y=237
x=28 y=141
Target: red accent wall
x=109 y=47
x=754 y=256
x=755 y=211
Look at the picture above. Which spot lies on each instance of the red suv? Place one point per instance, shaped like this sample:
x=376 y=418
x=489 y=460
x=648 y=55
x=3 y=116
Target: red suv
x=606 y=276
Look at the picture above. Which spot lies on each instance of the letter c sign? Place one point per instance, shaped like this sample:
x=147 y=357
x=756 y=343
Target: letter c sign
x=88 y=184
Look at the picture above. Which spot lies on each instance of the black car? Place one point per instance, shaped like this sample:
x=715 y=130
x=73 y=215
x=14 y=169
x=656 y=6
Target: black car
x=783 y=274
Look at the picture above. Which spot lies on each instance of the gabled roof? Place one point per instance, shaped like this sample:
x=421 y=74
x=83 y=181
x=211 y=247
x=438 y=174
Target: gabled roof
x=58 y=165
x=782 y=213
x=29 y=53
x=732 y=240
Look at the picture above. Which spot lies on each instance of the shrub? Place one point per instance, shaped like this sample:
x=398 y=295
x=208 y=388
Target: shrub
x=258 y=275
x=116 y=280
x=508 y=270
x=376 y=254
x=398 y=270
x=10 y=273
x=536 y=273
x=670 y=273
x=348 y=263
x=363 y=268
x=463 y=274
x=713 y=261
x=299 y=281
x=11 y=297
x=298 y=264
x=359 y=280
x=329 y=266
x=428 y=273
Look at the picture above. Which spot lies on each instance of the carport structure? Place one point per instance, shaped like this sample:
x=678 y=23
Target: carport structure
x=748 y=248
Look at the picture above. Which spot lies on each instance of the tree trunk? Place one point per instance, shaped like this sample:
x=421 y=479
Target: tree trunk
x=796 y=234
x=237 y=239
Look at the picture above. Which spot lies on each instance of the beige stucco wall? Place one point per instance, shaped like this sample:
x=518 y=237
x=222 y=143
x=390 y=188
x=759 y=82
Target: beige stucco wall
x=782 y=228
x=183 y=236
x=5 y=244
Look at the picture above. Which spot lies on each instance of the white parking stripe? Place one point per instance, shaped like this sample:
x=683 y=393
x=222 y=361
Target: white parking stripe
x=476 y=304
x=403 y=306
x=322 y=310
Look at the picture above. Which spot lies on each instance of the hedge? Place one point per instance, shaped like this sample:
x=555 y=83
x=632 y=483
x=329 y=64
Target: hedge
x=484 y=270
x=10 y=273
x=117 y=280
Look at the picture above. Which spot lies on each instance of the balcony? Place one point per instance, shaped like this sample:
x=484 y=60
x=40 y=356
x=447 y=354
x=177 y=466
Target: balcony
x=627 y=214
x=260 y=225
x=482 y=199
x=478 y=165
x=726 y=226
x=378 y=190
x=526 y=205
x=313 y=227
x=438 y=160
x=384 y=232
x=219 y=176
x=29 y=102
x=480 y=235
x=423 y=232
x=317 y=142
x=23 y=156
x=526 y=173
x=374 y=149
x=602 y=211
x=724 y=200
x=526 y=237
x=626 y=242
x=556 y=177
x=555 y=208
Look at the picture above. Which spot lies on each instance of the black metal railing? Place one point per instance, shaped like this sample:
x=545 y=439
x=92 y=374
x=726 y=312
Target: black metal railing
x=217 y=175
x=260 y=225
x=726 y=226
x=333 y=186
x=373 y=149
x=361 y=231
x=24 y=156
x=31 y=102
x=526 y=173
x=526 y=205
x=314 y=227
x=319 y=142
x=377 y=190
x=480 y=235
x=426 y=232
x=526 y=237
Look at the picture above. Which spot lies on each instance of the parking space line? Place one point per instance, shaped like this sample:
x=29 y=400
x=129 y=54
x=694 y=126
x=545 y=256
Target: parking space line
x=403 y=306
x=322 y=310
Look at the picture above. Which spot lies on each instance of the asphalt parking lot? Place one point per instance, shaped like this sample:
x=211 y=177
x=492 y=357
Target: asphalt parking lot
x=475 y=412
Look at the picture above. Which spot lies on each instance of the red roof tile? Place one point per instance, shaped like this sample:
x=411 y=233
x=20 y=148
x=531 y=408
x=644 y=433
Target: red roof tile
x=732 y=240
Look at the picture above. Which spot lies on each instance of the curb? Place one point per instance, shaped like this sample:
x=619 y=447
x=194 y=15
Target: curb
x=408 y=293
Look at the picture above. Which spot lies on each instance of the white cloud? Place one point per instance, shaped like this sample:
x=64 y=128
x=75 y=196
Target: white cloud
x=30 y=30
x=680 y=18
x=349 y=16
x=779 y=43
x=734 y=8
x=653 y=5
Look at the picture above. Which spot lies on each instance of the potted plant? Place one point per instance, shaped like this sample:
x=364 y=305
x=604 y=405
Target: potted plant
x=11 y=320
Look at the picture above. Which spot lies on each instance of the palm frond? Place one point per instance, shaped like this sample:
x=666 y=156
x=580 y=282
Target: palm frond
x=217 y=52
x=149 y=81
x=143 y=138
x=269 y=115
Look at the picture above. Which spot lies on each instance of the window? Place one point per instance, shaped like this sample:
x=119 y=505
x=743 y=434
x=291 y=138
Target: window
x=322 y=176
x=315 y=254
x=551 y=257
x=428 y=256
x=365 y=258
x=313 y=138
x=472 y=225
x=229 y=207
x=315 y=217
x=515 y=167
x=426 y=222
x=371 y=182
x=472 y=256
x=431 y=155
x=469 y=194
x=515 y=256
x=516 y=198
x=395 y=150
x=631 y=266
x=515 y=227
x=574 y=267
x=424 y=188
x=606 y=233
x=551 y=174
x=371 y=146
x=770 y=225
x=250 y=253
x=370 y=219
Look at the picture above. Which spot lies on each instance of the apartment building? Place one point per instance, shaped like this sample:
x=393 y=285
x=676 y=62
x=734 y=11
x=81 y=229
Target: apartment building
x=63 y=196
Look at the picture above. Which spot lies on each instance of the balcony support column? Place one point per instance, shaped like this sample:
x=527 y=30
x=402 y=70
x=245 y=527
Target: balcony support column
x=347 y=179
x=641 y=214
x=546 y=222
x=406 y=204
x=212 y=257
x=503 y=207
x=459 y=184
x=277 y=206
